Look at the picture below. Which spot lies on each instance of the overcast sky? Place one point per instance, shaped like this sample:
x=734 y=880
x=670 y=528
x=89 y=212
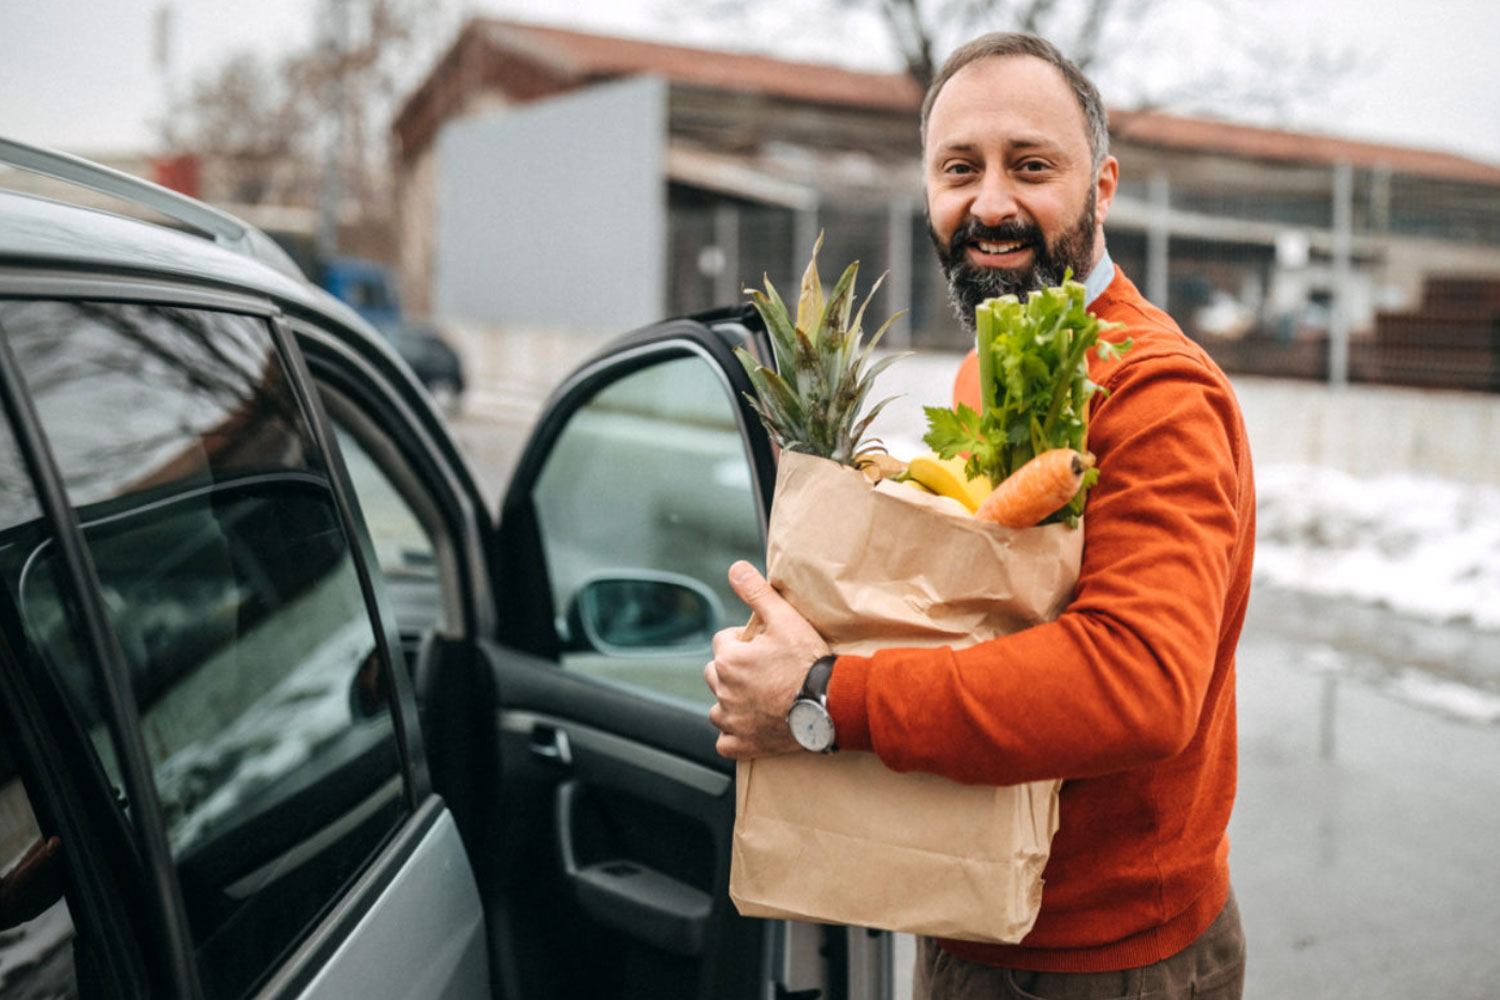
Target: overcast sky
x=81 y=74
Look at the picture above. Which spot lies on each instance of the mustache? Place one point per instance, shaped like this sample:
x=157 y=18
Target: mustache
x=973 y=231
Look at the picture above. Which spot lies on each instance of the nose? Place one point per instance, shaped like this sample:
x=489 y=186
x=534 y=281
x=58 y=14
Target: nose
x=994 y=200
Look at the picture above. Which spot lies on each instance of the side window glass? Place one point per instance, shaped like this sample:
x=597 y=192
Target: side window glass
x=229 y=583
x=645 y=500
x=410 y=557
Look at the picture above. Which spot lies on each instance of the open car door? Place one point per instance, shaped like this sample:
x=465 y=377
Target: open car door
x=564 y=714
x=645 y=478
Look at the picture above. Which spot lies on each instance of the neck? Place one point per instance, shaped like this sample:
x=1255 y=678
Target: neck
x=1099 y=276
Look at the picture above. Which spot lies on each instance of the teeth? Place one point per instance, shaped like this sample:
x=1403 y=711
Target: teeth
x=998 y=247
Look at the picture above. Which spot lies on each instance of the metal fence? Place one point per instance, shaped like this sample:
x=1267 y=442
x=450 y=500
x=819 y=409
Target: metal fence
x=1326 y=273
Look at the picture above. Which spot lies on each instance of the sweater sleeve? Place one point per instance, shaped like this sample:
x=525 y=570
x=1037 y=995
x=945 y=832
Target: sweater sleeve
x=1119 y=679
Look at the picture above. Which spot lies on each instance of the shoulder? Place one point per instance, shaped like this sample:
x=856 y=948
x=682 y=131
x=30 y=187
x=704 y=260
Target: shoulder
x=1157 y=344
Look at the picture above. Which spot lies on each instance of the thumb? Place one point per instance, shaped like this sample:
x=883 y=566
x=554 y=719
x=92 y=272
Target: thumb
x=755 y=591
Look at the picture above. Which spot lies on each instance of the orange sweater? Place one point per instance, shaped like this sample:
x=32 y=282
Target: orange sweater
x=1129 y=695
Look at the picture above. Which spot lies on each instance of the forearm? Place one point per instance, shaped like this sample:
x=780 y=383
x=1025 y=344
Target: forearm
x=1120 y=678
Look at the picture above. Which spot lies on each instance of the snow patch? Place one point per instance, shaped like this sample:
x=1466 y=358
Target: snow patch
x=1422 y=546
x=1457 y=700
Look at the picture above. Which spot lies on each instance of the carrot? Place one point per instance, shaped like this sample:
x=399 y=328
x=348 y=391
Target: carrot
x=1036 y=489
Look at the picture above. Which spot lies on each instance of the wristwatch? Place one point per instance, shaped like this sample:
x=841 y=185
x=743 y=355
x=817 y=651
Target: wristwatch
x=811 y=725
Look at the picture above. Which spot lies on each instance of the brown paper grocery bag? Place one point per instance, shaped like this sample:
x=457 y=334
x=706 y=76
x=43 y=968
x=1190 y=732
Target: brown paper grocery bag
x=841 y=838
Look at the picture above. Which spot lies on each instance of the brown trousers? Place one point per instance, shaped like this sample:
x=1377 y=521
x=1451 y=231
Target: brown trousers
x=1211 y=968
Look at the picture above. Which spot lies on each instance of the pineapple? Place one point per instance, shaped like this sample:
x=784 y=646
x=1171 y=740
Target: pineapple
x=811 y=402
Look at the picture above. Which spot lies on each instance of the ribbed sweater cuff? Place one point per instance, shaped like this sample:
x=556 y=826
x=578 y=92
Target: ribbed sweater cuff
x=846 y=702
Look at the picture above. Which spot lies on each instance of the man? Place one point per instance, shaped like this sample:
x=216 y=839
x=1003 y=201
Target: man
x=1129 y=695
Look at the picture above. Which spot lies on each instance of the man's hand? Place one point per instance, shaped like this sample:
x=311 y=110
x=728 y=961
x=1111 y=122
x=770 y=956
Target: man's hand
x=33 y=885
x=756 y=676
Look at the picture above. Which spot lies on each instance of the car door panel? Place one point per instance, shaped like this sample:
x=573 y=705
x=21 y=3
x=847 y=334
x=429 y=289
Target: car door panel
x=616 y=828
x=423 y=936
x=640 y=478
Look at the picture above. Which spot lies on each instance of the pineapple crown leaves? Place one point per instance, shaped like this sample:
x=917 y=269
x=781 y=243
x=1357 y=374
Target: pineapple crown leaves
x=811 y=402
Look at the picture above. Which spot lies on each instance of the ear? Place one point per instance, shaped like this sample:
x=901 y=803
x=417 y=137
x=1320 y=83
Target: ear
x=1105 y=184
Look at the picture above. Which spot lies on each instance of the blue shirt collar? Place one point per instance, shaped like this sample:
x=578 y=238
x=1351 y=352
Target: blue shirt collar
x=1098 y=279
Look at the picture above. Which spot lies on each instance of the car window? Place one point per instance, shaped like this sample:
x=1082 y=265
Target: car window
x=644 y=501
x=228 y=579
x=405 y=551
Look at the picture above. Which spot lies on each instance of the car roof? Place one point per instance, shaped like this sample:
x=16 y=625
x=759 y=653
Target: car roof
x=40 y=232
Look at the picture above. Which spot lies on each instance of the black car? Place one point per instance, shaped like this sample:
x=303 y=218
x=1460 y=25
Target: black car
x=285 y=711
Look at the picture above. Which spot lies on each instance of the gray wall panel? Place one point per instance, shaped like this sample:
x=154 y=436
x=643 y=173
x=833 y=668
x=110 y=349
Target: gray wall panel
x=554 y=213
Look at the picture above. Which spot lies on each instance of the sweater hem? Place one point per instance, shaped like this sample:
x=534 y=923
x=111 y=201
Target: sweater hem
x=1143 y=948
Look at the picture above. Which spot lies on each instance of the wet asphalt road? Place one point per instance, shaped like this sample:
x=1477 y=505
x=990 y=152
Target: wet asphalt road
x=1364 y=839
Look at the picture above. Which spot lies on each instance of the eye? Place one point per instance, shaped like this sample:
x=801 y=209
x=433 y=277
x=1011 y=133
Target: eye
x=1033 y=167
x=958 y=167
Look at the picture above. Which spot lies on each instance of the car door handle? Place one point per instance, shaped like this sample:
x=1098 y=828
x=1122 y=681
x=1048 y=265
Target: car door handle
x=551 y=744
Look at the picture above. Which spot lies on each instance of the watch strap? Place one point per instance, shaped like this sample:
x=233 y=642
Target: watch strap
x=815 y=685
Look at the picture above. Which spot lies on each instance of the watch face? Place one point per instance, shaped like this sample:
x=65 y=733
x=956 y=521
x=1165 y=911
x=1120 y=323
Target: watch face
x=812 y=727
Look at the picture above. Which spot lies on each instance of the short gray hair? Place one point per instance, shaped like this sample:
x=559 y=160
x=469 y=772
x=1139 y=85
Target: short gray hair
x=1014 y=43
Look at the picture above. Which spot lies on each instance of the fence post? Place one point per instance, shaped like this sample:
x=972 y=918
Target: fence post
x=898 y=285
x=727 y=239
x=804 y=235
x=1158 y=239
x=1343 y=238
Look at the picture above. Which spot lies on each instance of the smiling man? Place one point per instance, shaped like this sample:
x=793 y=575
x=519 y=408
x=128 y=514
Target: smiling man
x=1129 y=695
x=1017 y=170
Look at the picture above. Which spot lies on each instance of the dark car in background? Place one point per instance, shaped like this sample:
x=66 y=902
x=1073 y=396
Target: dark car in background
x=369 y=288
x=297 y=714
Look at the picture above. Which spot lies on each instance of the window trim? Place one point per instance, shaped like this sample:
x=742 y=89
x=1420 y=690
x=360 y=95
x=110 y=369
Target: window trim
x=526 y=614
x=415 y=774
x=384 y=453
x=103 y=646
x=373 y=388
x=102 y=287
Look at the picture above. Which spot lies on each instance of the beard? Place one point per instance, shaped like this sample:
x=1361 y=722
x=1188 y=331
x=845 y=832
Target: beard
x=970 y=284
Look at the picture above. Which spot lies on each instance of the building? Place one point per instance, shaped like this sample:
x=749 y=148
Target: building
x=650 y=180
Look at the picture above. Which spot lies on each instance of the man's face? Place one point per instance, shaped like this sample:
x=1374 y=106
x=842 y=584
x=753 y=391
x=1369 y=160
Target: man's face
x=1012 y=197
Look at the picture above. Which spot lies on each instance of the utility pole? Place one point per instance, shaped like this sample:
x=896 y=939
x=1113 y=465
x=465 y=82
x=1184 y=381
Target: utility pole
x=335 y=34
x=1343 y=272
x=1159 y=239
x=161 y=56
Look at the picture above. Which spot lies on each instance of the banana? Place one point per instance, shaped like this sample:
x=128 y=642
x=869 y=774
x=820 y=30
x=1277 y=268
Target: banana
x=945 y=477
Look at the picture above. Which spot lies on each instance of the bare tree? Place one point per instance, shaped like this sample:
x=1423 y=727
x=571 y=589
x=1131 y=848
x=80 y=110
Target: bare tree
x=250 y=125
x=1213 y=56
x=921 y=29
x=262 y=127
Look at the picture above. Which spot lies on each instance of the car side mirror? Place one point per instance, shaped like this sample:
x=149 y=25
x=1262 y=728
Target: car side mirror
x=641 y=612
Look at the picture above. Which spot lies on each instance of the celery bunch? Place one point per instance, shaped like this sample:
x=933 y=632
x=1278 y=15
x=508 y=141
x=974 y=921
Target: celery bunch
x=1033 y=383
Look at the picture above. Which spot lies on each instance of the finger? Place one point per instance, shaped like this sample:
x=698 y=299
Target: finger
x=711 y=677
x=732 y=747
x=725 y=638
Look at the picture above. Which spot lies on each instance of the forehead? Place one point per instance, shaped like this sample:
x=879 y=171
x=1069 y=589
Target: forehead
x=1004 y=99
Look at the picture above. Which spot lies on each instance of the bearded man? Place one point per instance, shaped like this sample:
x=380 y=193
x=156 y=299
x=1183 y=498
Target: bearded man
x=1128 y=696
